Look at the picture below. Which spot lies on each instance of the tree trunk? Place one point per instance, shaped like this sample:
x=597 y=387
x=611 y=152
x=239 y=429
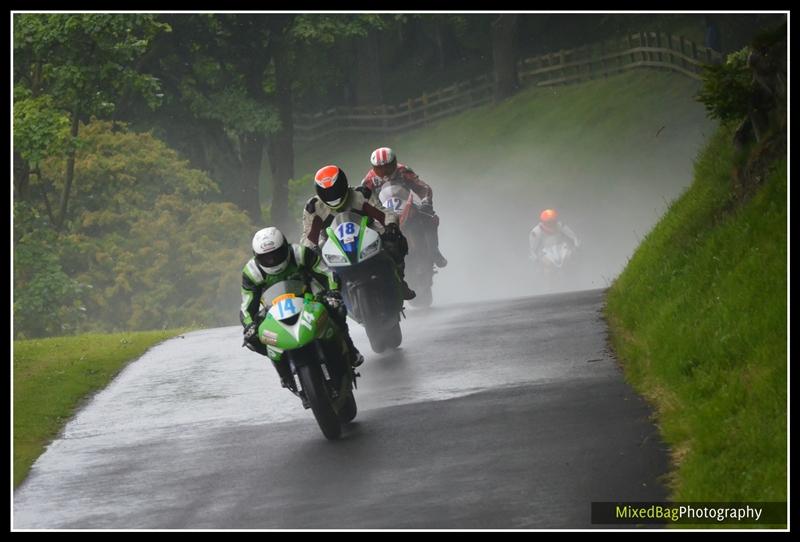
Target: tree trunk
x=504 y=56
x=70 y=174
x=281 y=145
x=223 y=162
x=252 y=146
x=368 y=70
x=22 y=173
x=439 y=40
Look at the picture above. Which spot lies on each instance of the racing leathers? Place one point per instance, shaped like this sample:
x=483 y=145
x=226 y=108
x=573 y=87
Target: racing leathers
x=540 y=232
x=304 y=265
x=317 y=216
x=406 y=177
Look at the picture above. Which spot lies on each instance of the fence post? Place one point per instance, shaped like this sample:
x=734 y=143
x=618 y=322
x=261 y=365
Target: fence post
x=587 y=60
x=603 y=69
x=668 y=46
x=630 y=46
x=658 y=44
x=683 y=52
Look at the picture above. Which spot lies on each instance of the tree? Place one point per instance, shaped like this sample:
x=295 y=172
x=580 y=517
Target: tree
x=504 y=56
x=302 y=46
x=83 y=63
x=219 y=109
x=144 y=250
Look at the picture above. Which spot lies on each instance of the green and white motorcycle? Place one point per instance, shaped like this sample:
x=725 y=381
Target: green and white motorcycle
x=298 y=331
x=370 y=285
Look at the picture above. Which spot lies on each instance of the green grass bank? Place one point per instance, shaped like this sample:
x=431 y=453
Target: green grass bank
x=699 y=322
x=53 y=378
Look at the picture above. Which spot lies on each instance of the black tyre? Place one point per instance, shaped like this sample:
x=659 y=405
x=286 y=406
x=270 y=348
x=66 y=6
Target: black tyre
x=349 y=409
x=394 y=336
x=317 y=394
x=376 y=339
x=424 y=297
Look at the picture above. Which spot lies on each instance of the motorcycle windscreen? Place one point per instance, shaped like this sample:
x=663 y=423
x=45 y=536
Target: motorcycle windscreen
x=284 y=299
x=346 y=227
x=393 y=197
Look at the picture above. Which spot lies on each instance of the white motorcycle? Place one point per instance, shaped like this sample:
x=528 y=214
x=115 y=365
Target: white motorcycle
x=555 y=263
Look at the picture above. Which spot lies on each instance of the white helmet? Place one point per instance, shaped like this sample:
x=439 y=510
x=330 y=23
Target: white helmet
x=271 y=250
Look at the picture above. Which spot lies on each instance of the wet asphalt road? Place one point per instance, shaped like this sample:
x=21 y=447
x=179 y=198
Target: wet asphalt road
x=506 y=414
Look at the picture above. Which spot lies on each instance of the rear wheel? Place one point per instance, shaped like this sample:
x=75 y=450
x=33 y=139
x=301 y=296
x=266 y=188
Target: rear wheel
x=317 y=394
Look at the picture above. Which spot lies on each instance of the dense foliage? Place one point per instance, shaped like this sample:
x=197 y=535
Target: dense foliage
x=727 y=87
x=144 y=251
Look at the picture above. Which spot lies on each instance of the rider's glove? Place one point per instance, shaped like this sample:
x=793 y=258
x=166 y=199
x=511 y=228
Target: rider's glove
x=250 y=331
x=392 y=232
x=364 y=190
x=426 y=206
x=332 y=298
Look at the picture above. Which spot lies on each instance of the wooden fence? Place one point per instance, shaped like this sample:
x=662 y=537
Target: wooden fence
x=651 y=50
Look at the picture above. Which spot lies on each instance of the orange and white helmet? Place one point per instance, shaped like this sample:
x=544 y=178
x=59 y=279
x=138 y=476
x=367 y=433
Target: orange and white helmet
x=332 y=187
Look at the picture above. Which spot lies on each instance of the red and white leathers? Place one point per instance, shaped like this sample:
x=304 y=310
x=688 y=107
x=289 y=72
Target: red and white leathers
x=317 y=216
x=404 y=176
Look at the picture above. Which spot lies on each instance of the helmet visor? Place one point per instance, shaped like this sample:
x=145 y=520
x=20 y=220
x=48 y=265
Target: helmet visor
x=274 y=257
x=385 y=170
x=333 y=196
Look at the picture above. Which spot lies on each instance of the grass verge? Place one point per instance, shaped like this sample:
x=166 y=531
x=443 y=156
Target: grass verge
x=699 y=320
x=54 y=377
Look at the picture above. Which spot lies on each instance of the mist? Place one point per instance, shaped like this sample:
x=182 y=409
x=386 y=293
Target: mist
x=610 y=201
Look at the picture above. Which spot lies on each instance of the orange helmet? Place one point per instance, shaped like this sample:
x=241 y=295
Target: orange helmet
x=549 y=216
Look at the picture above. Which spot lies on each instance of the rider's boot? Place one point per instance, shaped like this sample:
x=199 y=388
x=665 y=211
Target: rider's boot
x=356 y=358
x=408 y=293
x=438 y=259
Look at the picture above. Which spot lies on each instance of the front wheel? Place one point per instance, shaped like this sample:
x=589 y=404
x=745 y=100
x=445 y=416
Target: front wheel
x=317 y=394
x=394 y=336
x=349 y=409
x=376 y=341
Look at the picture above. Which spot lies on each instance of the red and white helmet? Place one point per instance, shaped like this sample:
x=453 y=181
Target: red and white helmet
x=384 y=162
x=382 y=156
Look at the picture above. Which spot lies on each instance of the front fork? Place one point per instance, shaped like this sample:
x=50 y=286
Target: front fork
x=335 y=393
